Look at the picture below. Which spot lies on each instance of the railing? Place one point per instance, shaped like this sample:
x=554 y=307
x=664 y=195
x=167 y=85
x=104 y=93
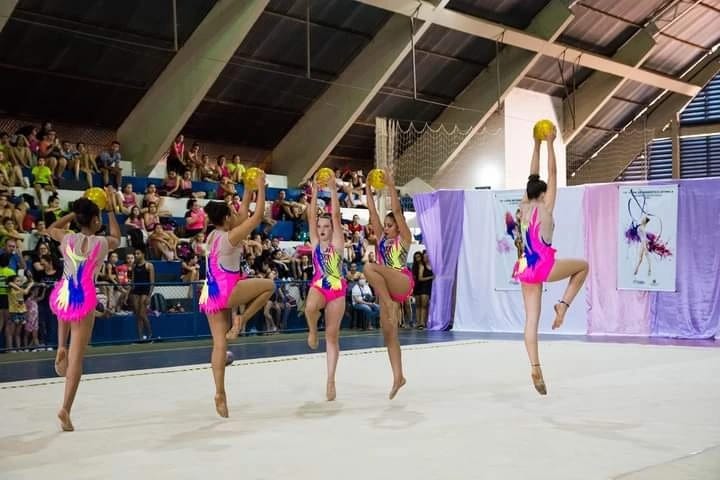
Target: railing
x=174 y=314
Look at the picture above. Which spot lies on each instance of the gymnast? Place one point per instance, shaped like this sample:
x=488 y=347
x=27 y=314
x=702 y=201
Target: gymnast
x=537 y=264
x=73 y=299
x=328 y=286
x=226 y=286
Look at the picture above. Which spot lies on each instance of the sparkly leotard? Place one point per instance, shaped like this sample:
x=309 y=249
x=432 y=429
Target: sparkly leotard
x=328 y=277
x=392 y=253
x=74 y=295
x=224 y=271
x=538 y=257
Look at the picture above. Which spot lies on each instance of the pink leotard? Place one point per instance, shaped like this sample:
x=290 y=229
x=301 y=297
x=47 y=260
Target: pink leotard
x=224 y=271
x=538 y=258
x=74 y=295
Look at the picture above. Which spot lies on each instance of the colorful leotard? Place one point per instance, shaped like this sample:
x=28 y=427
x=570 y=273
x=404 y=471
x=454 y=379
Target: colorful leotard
x=223 y=272
x=74 y=295
x=538 y=258
x=392 y=253
x=328 y=277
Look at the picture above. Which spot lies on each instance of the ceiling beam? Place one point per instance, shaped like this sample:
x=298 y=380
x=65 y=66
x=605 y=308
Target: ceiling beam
x=594 y=93
x=6 y=9
x=146 y=134
x=479 y=27
x=605 y=165
x=479 y=100
x=313 y=138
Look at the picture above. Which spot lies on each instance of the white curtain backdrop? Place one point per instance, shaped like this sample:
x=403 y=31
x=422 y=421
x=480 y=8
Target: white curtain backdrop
x=479 y=307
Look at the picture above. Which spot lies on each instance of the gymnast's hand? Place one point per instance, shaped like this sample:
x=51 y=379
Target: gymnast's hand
x=550 y=138
x=389 y=180
x=260 y=181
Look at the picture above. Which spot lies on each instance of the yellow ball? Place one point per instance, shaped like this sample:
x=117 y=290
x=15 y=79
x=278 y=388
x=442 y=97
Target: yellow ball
x=98 y=196
x=323 y=176
x=542 y=129
x=376 y=178
x=250 y=177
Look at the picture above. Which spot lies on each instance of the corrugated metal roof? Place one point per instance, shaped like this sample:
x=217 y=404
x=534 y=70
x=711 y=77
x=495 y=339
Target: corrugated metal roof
x=614 y=114
x=267 y=78
x=637 y=92
x=76 y=48
x=514 y=13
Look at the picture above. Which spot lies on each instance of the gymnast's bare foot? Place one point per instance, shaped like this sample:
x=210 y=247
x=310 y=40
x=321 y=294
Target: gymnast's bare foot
x=538 y=381
x=221 y=405
x=312 y=340
x=61 y=361
x=561 y=309
x=237 y=326
x=65 y=422
x=330 y=393
x=397 y=386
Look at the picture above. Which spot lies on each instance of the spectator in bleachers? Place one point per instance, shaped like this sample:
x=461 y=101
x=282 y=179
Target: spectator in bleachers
x=206 y=171
x=38 y=268
x=186 y=187
x=70 y=155
x=357 y=184
x=42 y=179
x=281 y=209
x=236 y=203
x=46 y=318
x=53 y=211
x=5 y=273
x=193 y=159
x=369 y=256
x=9 y=233
x=108 y=162
x=190 y=269
x=29 y=134
x=143 y=277
x=85 y=163
x=221 y=169
x=163 y=243
x=198 y=245
x=42 y=236
x=195 y=218
x=255 y=245
x=279 y=307
x=344 y=189
x=6 y=189
x=170 y=185
x=267 y=221
x=47 y=128
x=7 y=210
x=176 y=156
x=49 y=149
x=420 y=291
x=355 y=226
x=356 y=251
x=152 y=196
x=363 y=300
x=151 y=218
x=353 y=275
x=15 y=328
x=32 y=339
x=225 y=187
x=127 y=199
x=236 y=169
x=135 y=221
x=12 y=172
x=20 y=152
x=5 y=143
